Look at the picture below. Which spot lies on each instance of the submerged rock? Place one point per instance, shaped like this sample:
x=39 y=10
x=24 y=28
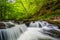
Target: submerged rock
x=55 y=33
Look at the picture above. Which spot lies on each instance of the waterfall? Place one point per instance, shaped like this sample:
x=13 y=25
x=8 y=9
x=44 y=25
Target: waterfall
x=12 y=33
x=35 y=34
x=43 y=24
x=38 y=30
x=41 y=30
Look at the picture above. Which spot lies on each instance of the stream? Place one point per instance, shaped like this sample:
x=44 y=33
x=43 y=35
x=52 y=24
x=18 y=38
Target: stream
x=37 y=30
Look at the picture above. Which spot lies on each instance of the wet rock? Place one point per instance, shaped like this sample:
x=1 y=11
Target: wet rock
x=18 y=22
x=54 y=33
x=9 y=25
x=2 y=26
x=55 y=23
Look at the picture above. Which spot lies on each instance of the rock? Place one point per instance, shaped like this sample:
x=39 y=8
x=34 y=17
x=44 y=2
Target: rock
x=2 y=26
x=54 y=22
x=54 y=33
x=10 y=25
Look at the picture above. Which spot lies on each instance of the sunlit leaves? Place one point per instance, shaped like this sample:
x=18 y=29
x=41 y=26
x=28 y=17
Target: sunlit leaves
x=22 y=9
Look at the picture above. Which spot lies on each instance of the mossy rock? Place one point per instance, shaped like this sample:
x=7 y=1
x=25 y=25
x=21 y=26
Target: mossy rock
x=55 y=23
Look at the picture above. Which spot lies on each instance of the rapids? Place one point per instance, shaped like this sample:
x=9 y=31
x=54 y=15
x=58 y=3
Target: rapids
x=41 y=30
x=38 y=30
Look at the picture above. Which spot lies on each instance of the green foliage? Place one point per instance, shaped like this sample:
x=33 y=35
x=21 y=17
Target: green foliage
x=27 y=9
x=49 y=9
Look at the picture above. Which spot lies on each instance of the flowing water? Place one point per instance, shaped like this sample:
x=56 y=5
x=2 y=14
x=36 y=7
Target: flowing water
x=41 y=30
x=12 y=33
x=38 y=30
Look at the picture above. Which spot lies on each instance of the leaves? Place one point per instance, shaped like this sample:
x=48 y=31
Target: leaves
x=25 y=9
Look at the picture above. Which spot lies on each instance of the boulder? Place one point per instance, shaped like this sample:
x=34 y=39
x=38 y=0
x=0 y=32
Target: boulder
x=2 y=26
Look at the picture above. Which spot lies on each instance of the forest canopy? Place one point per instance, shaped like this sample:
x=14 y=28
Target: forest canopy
x=29 y=9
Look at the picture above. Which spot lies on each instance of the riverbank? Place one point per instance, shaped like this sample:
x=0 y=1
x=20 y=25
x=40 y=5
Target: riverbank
x=54 y=20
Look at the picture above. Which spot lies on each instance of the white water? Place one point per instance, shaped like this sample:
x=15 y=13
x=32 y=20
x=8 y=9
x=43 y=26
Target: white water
x=40 y=30
x=44 y=25
x=12 y=33
x=15 y=32
x=36 y=32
